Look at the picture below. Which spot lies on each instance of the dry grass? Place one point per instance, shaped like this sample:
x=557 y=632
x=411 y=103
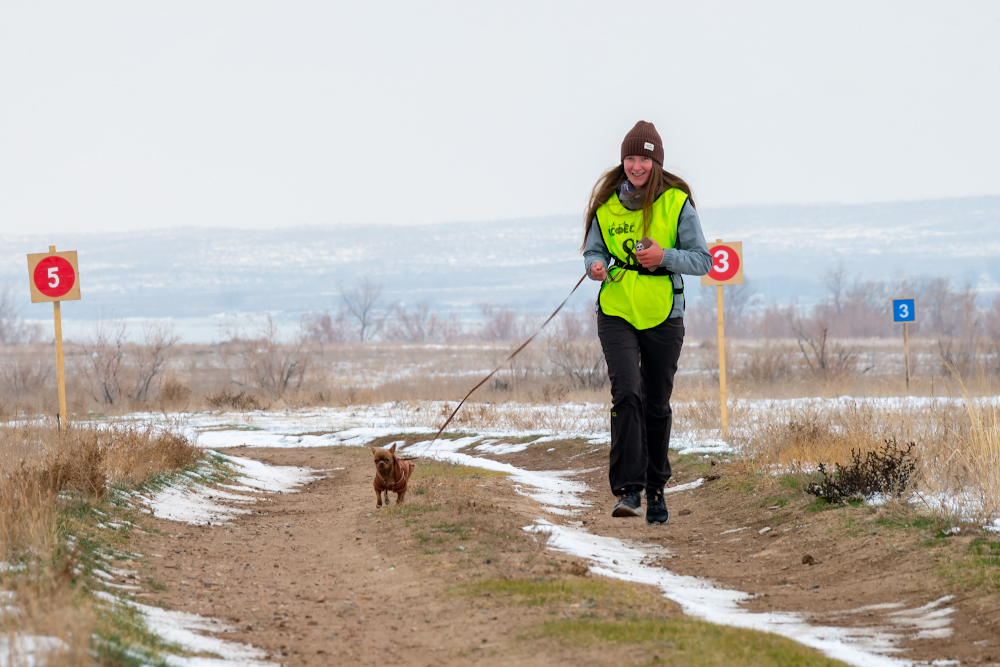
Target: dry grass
x=697 y=407
x=564 y=365
x=477 y=417
x=48 y=480
x=980 y=454
x=957 y=444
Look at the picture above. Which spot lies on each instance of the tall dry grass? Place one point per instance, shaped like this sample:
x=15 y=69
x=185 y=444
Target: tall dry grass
x=980 y=454
x=957 y=443
x=48 y=480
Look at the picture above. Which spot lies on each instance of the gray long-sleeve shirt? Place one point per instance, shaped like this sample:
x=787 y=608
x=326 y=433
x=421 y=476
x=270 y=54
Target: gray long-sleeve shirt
x=689 y=256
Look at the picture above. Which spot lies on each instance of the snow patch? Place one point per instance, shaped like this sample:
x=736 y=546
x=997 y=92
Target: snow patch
x=29 y=650
x=185 y=630
x=697 y=442
x=488 y=447
x=685 y=487
x=551 y=488
x=199 y=504
x=615 y=558
x=930 y=621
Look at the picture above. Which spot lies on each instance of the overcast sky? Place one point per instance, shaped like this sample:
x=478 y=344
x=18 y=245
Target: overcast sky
x=141 y=115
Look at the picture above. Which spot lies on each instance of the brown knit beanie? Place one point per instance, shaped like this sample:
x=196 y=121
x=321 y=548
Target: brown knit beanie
x=643 y=139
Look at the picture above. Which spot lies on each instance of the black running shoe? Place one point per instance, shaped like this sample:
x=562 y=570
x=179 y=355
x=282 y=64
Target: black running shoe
x=656 y=507
x=629 y=505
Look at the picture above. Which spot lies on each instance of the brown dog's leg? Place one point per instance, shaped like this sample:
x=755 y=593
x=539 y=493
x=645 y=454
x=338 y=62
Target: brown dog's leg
x=400 y=496
x=378 y=499
x=386 y=492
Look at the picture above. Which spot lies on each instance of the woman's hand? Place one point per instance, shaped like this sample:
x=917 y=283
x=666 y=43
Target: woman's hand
x=597 y=271
x=651 y=257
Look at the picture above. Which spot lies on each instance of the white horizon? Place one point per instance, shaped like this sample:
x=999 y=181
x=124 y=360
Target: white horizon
x=253 y=115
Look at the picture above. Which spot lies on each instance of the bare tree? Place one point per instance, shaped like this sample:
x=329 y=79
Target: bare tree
x=104 y=365
x=24 y=376
x=575 y=352
x=117 y=368
x=13 y=329
x=450 y=328
x=835 y=282
x=151 y=357
x=501 y=323
x=359 y=302
x=413 y=326
x=735 y=309
x=958 y=339
x=822 y=357
x=260 y=361
x=943 y=311
x=324 y=328
x=865 y=311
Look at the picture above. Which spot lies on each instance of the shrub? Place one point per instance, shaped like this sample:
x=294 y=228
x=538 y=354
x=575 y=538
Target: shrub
x=259 y=360
x=118 y=369
x=242 y=401
x=173 y=395
x=884 y=471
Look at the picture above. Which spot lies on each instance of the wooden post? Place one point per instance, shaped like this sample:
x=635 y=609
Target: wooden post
x=722 y=362
x=727 y=269
x=60 y=368
x=906 y=356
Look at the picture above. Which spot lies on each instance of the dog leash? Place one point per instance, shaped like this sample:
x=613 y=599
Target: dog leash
x=512 y=355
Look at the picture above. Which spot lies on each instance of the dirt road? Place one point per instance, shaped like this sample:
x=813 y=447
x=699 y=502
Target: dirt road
x=323 y=577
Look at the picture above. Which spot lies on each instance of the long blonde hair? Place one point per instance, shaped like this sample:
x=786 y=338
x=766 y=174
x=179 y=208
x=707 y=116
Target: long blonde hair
x=660 y=180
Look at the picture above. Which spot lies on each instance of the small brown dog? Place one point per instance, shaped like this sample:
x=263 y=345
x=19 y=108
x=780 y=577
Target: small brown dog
x=391 y=474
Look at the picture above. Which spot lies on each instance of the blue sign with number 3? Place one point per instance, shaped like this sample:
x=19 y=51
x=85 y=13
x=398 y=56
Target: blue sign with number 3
x=904 y=310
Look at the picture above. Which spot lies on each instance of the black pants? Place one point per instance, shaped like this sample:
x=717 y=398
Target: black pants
x=641 y=364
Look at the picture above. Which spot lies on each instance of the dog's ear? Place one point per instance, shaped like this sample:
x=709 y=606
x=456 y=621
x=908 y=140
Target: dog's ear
x=374 y=451
x=392 y=450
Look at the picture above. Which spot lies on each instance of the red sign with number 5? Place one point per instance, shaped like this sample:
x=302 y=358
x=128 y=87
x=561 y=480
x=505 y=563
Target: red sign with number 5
x=727 y=264
x=54 y=276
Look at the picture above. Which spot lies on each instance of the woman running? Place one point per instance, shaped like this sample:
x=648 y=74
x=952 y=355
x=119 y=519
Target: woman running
x=642 y=217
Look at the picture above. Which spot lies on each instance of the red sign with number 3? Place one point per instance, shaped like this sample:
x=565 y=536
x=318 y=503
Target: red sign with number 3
x=54 y=276
x=725 y=263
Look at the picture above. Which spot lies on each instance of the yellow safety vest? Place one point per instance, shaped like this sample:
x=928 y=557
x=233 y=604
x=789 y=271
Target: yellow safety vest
x=643 y=300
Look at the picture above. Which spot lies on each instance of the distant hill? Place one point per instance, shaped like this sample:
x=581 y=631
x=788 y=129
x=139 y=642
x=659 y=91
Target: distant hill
x=788 y=247
x=531 y=263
